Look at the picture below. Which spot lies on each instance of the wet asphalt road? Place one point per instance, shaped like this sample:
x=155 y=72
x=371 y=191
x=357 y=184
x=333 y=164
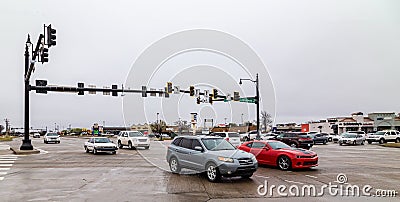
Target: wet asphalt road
x=64 y=172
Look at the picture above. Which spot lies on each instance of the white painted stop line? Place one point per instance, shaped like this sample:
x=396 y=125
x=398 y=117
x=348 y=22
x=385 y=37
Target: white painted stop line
x=6 y=161
x=4 y=169
x=1 y=178
x=3 y=173
x=6 y=165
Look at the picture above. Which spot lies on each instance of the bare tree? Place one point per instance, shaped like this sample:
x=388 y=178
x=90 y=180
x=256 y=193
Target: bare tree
x=266 y=119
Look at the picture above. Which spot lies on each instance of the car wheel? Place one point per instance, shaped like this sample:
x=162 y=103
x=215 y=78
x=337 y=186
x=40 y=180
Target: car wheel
x=247 y=176
x=120 y=145
x=397 y=140
x=94 y=151
x=362 y=143
x=324 y=142
x=284 y=163
x=293 y=144
x=212 y=173
x=87 y=150
x=354 y=142
x=340 y=143
x=369 y=142
x=114 y=152
x=174 y=165
x=130 y=145
x=330 y=139
x=381 y=141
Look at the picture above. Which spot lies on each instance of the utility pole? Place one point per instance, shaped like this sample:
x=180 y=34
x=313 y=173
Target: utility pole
x=257 y=102
x=7 y=126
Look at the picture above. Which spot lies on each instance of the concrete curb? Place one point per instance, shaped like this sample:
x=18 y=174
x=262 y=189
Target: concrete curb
x=24 y=152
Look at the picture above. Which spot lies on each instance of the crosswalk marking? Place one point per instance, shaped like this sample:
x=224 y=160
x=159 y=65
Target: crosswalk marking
x=2 y=169
x=6 y=165
x=6 y=161
x=1 y=178
x=3 y=173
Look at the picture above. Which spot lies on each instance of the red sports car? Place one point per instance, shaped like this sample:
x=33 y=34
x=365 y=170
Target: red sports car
x=276 y=153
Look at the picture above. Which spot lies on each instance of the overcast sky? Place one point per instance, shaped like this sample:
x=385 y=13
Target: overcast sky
x=325 y=58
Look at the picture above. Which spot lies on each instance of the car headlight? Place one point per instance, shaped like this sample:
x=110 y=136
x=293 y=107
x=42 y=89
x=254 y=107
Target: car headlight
x=254 y=159
x=225 y=159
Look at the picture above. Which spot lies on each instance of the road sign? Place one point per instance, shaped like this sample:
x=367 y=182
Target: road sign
x=236 y=96
x=41 y=83
x=177 y=89
x=206 y=96
x=249 y=100
x=153 y=94
x=92 y=92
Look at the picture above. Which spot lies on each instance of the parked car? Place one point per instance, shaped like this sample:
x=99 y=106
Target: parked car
x=213 y=155
x=232 y=137
x=132 y=139
x=36 y=135
x=384 y=136
x=293 y=139
x=251 y=135
x=268 y=136
x=100 y=144
x=331 y=136
x=276 y=153
x=320 y=138
x=351 y=138
x=51 y=137
x=364 y=135
x=336 y=138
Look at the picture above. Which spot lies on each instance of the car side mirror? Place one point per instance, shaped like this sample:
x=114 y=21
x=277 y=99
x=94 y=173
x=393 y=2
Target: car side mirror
x=198 y=148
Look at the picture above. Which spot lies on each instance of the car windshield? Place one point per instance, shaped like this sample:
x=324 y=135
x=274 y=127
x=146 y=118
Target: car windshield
x=216 y=144
x=348 y=135
x=101 y=140
x=380 y=133
x=135 y=134
x=52 y=134
x=278 y=145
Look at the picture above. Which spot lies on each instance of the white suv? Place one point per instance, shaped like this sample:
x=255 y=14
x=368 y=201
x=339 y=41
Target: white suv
x=51 y=137
x=232 y=137
x=384 y=136
x=133 y=139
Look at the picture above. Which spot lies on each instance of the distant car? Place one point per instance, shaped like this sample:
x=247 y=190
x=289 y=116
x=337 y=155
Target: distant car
x=268 y=136
x=384 y=136
x=51 y=137
x=301 y=140
x=320 y=138
x=331 y=136
x=214 y=156
x=276 y=153
x=36 y=135
x=336 y=138
x=251 y=135
x=133 y=139
x=232 y=137
x=100 y=144
x=359 y=133
x=351 y=139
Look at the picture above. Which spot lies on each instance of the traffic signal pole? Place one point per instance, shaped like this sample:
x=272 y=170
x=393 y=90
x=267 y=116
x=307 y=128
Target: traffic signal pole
x=26 y=142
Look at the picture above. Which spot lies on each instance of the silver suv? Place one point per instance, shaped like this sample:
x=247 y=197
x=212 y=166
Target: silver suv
x=213 y=155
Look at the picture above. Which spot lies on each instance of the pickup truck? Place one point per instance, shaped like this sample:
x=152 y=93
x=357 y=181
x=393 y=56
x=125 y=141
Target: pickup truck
x=100 y=144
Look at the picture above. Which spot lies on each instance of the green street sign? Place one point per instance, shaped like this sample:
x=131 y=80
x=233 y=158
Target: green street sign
x=248 y=100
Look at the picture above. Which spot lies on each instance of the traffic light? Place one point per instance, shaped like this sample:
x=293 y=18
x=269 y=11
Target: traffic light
x=169 y=87
x=114 y=88
x=41 y=83
x=166 y=92
x=191 y=90
x=44 y=55
x=198 y=100
x=236 y=96
x=51 y=36
x=144 y=91
x=81 y=91
x=210 y=100
x=215 y=93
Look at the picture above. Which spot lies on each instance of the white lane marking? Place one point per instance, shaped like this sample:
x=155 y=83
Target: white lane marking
x=311 y=176
x=6 y=165
x=7 y=158
x=6 y=161
x=293 y=182
x=3 y=173
x=261 y=176
x=4 y=168
x=1 y=178
x=42 y=151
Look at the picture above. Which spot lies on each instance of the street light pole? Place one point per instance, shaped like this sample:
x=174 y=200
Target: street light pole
x=257 y=102
x=26 y=142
